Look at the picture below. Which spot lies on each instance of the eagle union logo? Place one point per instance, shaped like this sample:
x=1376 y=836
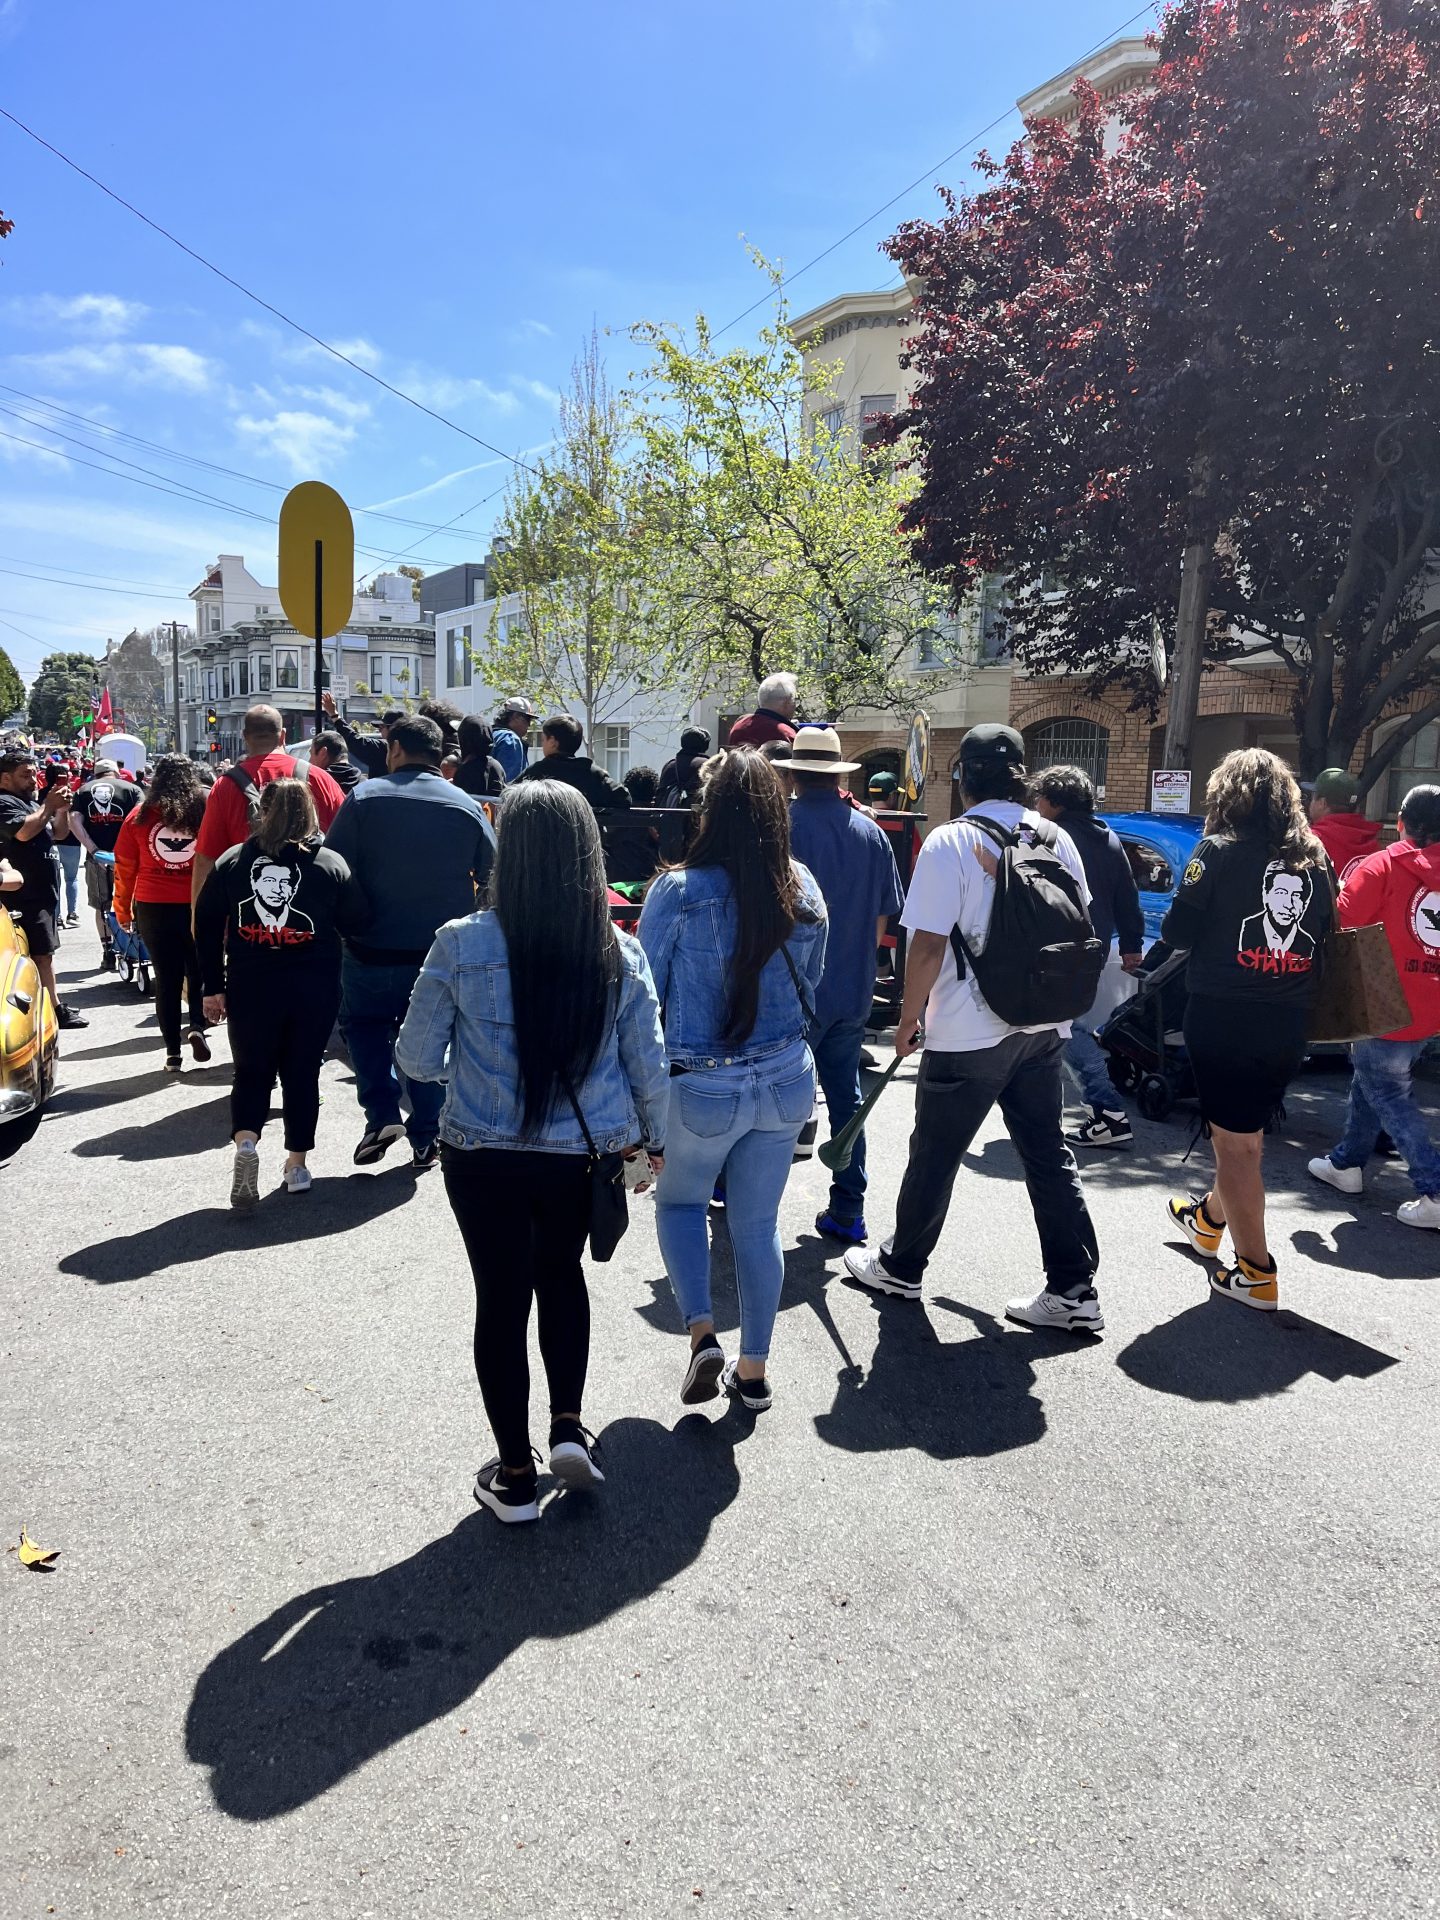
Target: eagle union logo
x=1425 y=919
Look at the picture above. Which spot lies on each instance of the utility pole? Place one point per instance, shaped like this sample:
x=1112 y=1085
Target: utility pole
x=175 y=746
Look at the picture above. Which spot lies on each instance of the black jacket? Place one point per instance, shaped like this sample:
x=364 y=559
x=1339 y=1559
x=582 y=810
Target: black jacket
x=1114 y=898
x=370 y=750
x=346 y=775
x=588 y=780
x=254 y=925
x=481 y=779
x=1254 y=928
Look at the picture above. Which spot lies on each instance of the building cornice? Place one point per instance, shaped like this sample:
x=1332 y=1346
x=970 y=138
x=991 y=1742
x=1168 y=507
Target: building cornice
x=1114 y=69
x=888 y=307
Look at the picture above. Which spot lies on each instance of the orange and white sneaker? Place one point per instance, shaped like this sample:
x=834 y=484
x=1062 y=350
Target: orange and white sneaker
x=1252 y=1286
x=1197 y=1226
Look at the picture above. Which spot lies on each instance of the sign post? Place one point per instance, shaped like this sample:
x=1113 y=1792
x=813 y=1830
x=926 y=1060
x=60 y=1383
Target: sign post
x=317 y=569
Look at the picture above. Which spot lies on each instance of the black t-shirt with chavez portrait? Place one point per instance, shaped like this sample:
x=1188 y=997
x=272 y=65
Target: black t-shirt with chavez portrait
x=101 y=805
x=1254 y=926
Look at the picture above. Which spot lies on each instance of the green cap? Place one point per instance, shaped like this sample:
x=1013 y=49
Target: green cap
x=1338 y=789
x=883 y=783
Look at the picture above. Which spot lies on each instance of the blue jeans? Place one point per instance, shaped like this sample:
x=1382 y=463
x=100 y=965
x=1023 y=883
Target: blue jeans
x=741 y=1121
x=70 y=852
x=1380 y=1097
x=837 y=1064
x=373 y=1004
x=1085 y=1058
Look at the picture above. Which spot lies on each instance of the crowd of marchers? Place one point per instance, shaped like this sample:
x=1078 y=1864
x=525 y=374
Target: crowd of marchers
x=458 y=924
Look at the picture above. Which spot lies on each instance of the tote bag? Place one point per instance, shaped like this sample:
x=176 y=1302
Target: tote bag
x=1360 y=996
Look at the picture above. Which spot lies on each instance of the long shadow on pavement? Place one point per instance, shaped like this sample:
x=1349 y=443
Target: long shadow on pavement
x=191 y=1130
x=141 y=1043
x=1217 y=1350
x=339 y=1673
x=952 y=1399
x=1374 y=1246
x=331 y=1207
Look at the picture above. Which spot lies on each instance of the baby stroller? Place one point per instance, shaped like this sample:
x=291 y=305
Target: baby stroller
x=1144 y=1041
x=132 y=962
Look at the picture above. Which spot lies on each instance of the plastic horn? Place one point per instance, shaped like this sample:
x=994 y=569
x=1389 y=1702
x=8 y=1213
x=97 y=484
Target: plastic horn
x=835 y=1154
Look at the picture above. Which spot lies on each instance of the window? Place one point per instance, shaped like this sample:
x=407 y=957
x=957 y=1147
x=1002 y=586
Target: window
x=1153 y=872
x=995 y=622
x=875 y=410
x=262 y=613
x=401 y=674
x=1415 y=766
x=938 y=645
x=1069 y=743
x=615 y=751
x=287 y=669
x=457 y=659
x=262 y=681
x=830 y=421
x=375 y=679
x=212 y=619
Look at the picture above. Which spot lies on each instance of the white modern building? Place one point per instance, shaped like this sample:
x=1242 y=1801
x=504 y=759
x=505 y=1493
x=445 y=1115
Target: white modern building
x=244 y=649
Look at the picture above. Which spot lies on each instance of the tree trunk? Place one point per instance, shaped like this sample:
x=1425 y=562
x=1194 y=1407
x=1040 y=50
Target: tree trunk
x=1196 y=569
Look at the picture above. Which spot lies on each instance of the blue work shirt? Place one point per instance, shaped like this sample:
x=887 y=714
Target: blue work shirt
x=420 y=848
x=850 y=858
x=509 y=749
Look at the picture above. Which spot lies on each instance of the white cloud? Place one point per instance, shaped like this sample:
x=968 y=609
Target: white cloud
x=134 y=362
x=537 y=389
x=447 y=390
x=46 y=456
x=535 y=329
x=337 y=402
x=304 y=441
x=105 y=314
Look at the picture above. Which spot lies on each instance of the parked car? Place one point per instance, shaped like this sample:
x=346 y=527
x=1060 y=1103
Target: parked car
x=28 y=1040
x=1159 y=846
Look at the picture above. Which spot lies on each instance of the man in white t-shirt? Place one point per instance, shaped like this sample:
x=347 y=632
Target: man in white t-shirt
x=973 y=1059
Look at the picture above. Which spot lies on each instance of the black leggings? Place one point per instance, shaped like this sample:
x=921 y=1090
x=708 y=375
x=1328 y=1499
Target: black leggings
x=280 y=1028
x=164 y=926
x=523 y=1217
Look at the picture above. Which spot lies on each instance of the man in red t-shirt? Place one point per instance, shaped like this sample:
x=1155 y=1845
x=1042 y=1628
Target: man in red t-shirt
x=226 y=823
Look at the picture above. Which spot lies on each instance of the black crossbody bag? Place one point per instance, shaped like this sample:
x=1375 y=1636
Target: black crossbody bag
x=609 y=1208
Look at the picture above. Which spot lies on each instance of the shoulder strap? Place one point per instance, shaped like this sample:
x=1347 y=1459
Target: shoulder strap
x=805 y=1006
x=247 y=786
x=1000 y=835
x=589 y=1143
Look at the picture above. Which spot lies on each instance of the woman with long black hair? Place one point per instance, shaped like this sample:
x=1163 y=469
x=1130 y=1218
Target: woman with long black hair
x=736 y=939
x=541 y=1018
x=267 y=927
x=154 y=861
x=1252 y=910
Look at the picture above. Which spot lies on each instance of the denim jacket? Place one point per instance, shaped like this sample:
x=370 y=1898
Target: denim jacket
x=688 y=932
x=460 y=1028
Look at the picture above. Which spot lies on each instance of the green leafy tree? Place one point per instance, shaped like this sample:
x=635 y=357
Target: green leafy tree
x=12 y=687
x=414 y=575
x=770 y=542
x=64 y=687
x=569 y=560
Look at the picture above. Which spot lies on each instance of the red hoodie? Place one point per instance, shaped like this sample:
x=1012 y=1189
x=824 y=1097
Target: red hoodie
x=1346 y=837
x=153 y=863
x=1400 y=887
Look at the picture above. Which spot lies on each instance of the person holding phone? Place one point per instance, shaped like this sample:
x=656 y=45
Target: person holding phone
x=28 y=825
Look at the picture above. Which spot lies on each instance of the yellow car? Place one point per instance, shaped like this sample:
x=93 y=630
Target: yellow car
x=28 y=1032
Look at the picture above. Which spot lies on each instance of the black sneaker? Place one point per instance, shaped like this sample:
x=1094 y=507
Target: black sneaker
x=754 y=1394
x=67 y=1017
x=572 y=1455
x=173 y=1063
x=198 y=1044
x=509 y=1500
x=425 y=1157
x=376 y=1143
x=1106 y=1127
x=107 y=960
x=805 y=1145
x=706 y=1365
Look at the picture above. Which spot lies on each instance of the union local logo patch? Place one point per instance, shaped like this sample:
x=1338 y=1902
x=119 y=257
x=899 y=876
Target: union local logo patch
x=1425 y=919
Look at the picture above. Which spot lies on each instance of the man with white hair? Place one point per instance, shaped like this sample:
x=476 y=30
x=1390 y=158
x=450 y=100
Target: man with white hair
x=773 y=716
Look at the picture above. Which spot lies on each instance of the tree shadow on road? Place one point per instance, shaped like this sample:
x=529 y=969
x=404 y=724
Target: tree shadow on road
x=952 y=1399
x=339 y=1673
x=1217 y=1350
x=190 y=1130
x=331 y=1207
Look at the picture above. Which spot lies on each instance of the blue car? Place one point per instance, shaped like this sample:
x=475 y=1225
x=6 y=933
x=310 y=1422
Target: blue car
x=1159 y=846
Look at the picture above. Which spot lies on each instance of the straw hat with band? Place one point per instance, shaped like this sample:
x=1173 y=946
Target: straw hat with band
x=817 y=750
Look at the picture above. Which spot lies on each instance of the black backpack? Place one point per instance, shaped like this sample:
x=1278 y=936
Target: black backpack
x=1041 y=962
x=252 y=793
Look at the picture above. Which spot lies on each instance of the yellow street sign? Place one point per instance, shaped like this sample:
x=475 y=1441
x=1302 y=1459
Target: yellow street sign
x=317 y=560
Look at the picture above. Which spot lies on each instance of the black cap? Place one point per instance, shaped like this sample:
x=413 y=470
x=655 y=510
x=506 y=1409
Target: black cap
x=14 y=753
x=993 y=745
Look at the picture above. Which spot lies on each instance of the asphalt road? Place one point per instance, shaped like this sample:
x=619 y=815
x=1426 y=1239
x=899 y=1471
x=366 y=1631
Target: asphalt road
x=976 y=1620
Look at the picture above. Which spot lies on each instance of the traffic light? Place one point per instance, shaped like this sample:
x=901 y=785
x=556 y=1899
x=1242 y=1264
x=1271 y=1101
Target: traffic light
x=212 y=719
x=214 y=746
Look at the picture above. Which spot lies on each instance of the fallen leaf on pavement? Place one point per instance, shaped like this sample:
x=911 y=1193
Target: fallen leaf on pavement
x=33 y=1556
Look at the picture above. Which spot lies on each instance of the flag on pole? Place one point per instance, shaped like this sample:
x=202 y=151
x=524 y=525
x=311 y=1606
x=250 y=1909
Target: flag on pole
x=104 y=717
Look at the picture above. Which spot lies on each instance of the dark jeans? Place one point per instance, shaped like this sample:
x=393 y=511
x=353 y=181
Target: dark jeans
x=523 y=1217
x=373 y=1004
x=957 y=1090
x=280 y=1029
x=164 y=926
x=837 y=1066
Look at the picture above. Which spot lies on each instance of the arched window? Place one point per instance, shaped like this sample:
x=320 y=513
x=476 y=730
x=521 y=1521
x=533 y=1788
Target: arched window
x=1069 y=743
x=1414 y=766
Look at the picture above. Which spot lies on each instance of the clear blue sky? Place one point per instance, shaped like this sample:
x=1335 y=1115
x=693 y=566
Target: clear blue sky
x=452 y=188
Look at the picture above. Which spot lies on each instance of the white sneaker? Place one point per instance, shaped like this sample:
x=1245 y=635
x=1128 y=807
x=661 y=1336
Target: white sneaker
x=1055 y=1311
x=245 y=1179
x=863 y=1264
x=1343 y=1179
x=1424 y=1212
x=297 y=1180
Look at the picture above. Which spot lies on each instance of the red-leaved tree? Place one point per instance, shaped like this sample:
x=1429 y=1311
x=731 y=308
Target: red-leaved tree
x=1195 y=379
